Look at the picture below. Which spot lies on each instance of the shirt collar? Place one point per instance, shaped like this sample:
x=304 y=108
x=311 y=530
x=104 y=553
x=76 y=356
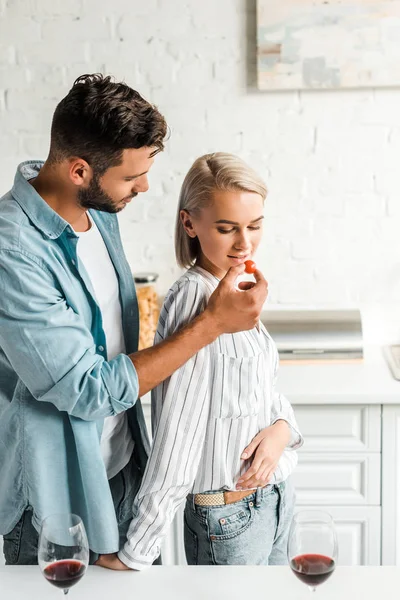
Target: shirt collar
x=39 y=212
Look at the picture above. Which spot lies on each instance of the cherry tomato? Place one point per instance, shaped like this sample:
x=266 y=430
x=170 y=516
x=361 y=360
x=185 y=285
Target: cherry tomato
x=250 y=266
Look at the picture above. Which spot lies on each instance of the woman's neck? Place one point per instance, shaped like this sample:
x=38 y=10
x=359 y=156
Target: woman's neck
x=207 y=265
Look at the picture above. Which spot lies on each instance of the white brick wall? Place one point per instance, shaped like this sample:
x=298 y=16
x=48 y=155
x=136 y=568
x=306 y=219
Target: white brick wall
x=331 y=159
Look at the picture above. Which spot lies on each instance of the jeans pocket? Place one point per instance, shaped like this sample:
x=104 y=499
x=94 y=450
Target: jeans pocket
x=230 y=521
x=191 y=544
x=231 y=535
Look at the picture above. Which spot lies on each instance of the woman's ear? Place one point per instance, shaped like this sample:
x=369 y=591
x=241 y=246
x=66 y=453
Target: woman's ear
x=187 y=223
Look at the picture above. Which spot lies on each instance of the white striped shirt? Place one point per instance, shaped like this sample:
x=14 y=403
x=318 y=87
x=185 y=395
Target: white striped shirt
x=203 y=417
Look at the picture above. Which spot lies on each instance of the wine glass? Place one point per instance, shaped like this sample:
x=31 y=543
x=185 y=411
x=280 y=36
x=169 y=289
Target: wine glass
x=312 y=547
x=63 y=552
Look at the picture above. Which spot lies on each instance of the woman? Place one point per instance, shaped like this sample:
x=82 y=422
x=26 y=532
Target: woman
x=224 y=440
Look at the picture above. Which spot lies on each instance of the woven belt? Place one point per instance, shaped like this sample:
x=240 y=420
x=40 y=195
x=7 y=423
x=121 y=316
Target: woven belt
x=221 y=498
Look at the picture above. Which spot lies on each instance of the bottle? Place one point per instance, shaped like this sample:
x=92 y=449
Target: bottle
x=149 y=311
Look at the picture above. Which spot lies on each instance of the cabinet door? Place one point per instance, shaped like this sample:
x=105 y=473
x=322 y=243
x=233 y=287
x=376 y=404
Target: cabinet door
x=359 y=533
x=391 y=485
x=339 y=428
x=349 y=479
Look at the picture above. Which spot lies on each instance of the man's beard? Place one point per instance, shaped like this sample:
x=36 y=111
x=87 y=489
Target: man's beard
x=95 y=197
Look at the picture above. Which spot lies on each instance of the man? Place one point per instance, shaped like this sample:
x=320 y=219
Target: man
x=72 y=433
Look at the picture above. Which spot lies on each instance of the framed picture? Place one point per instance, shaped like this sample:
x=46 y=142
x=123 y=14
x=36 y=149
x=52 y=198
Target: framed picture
x=328 y=44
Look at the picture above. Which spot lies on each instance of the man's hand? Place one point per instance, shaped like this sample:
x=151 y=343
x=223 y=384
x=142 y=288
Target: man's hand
x=111 y=561
x=235 y=310
x=267 y=448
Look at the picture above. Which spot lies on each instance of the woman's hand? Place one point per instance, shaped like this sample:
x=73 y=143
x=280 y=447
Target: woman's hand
x=111 y=561
x=267 y=447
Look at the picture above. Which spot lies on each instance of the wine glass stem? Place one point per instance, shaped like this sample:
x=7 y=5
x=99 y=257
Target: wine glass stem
x=66 y=590
x=312 y=588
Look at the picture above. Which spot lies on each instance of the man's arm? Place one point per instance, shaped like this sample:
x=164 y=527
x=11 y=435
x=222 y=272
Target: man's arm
x=228 y=311
x=51 y=347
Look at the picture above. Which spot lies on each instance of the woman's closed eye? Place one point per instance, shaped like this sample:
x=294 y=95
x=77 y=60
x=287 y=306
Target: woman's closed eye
x=252 y=228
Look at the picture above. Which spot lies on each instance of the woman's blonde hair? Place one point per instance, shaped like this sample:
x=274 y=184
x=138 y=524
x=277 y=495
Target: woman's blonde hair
x=217 y=171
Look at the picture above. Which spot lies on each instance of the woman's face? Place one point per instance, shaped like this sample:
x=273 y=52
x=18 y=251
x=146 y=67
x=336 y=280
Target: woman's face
x=229 y=230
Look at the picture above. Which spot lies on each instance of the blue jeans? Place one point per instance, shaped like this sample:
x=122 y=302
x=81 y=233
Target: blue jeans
x=20 y=546
x=253 y=531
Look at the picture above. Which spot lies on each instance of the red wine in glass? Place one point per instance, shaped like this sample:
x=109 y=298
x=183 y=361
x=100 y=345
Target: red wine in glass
x=312 y=569
x=65 y=573
x=63 y=552
x=312 y=547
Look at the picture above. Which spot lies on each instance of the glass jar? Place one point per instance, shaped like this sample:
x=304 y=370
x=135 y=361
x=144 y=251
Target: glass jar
x=147 y=296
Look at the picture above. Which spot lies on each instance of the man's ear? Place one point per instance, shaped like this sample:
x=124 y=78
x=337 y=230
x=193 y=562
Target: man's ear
x=79 y=171
x=187 y=223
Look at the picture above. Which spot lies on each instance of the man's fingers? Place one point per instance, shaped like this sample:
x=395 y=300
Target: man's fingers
x=232 y=274
x=246 y=285
x=261 y=285
x=258 y=276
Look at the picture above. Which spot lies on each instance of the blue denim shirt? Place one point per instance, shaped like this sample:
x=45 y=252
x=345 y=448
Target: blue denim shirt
x=56 y=385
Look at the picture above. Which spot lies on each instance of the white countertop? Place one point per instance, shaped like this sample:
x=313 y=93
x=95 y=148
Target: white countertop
x=366 y=382
x=203 y=583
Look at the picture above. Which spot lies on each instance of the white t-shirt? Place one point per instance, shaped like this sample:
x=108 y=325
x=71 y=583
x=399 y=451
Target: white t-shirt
x=116 y=440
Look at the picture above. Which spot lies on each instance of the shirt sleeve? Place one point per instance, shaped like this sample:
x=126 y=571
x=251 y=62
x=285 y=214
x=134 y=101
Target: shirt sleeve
x=180 y=408
x=282 y=409
x=51 y=348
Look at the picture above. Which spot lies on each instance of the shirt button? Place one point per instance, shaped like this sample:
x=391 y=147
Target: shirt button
x=101 y=348
x=251 y=503
x=222 y=521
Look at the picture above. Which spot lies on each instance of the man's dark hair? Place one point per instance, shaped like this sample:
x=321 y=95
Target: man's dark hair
x=100 y=118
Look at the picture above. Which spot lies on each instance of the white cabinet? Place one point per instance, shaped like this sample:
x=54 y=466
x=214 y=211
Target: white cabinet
x=339 y=428
x=340 y=479
x=339 y=471
x=391 y=485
